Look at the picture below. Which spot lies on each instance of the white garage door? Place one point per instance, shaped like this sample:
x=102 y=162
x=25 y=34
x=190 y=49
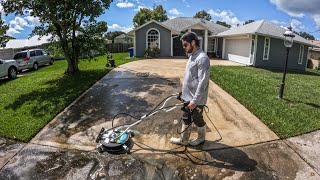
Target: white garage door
x=237 y=50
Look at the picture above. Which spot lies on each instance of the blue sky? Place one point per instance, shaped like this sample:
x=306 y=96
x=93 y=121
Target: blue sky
x=303 y=15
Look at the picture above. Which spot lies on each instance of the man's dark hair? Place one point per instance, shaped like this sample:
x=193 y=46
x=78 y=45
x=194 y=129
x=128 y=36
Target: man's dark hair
x=189 y=37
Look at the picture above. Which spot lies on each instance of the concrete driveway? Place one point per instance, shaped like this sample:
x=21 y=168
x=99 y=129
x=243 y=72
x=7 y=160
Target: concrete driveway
x=136 y=88
x=238 y=146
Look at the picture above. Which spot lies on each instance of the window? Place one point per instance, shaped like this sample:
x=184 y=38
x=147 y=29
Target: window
x=39 y=53
x=32 y=53
x=301 y=54
x=211 y=44
x=153 y=38
x=20 y=55
x=266 y=49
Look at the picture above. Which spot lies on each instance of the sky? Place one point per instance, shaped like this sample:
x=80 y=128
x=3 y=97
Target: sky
x=302 y=15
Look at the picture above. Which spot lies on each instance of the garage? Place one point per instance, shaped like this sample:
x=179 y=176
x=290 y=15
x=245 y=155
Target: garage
x=237 y=50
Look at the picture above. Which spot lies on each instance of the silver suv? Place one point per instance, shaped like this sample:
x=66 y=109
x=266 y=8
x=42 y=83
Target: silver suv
x=32 y=59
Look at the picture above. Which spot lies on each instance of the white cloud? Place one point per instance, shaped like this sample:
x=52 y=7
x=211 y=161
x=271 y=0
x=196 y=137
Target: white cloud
x=316 y=19
x=116 y=27
x=186 y=3
x=226 y=16
x=12 y=32
x=279 y=22
x=19 y=24
x=125 y=5
x=175 y=11
x=299 y=8
x=140 y=7
x=297 y=25
x=32 y=21
x=19 y=21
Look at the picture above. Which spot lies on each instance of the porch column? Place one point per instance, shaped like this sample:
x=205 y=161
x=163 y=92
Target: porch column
x=189 y=30
x=206 y=40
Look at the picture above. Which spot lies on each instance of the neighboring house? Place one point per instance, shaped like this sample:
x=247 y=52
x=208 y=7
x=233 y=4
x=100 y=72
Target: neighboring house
x=314 y=55
x=15 y=45
x=123 y=38
x=165 y=36
x=261 y=44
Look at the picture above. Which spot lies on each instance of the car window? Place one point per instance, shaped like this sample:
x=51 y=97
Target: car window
x=39 y=53
x=32 y=53
x=20 y=55
x=45 y=53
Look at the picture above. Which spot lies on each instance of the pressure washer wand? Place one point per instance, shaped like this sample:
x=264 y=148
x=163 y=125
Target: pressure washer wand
x=162 y=108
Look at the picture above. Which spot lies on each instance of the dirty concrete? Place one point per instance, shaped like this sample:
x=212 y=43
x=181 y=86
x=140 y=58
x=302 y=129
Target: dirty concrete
x=81 y=123
x=8 y=148
x=136 y=88
x=265 y=161
x=308 y=147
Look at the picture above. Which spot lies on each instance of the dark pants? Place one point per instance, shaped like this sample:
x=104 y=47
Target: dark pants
x=196 y=116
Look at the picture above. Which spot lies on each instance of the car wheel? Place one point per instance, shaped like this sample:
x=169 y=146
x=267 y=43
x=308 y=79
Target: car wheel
x=35 y=66
x=51 y=61
x=12 y=73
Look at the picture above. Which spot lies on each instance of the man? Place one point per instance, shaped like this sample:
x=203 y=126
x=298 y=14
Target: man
x=194 y=90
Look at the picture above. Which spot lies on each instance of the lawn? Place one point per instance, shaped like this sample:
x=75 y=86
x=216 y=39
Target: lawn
x=29 y=102
x=258 y=89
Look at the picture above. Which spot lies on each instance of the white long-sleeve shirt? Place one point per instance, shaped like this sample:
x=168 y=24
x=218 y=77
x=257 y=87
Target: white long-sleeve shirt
x=196 y=78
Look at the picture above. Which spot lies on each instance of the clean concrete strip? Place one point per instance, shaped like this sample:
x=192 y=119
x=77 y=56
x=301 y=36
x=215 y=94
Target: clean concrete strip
x=237 y=125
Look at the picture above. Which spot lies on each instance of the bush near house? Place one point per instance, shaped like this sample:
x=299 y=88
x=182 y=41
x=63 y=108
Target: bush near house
x=31 y=101
x=152 y=52
x=258 y=89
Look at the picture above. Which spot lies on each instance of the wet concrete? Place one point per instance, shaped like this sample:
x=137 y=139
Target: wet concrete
x=80 y=124
x=308 y=147
x=266 y=161
x=8 y=148
x=135 y=88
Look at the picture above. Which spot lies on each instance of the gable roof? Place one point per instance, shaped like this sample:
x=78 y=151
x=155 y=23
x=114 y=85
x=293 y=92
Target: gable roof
x=182 y=23
x=149 y=22
x=316 y=45
x=24 y=43
x=120 y=36
x=264 y=28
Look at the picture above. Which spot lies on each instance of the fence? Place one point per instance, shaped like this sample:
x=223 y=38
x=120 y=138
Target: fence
x=118 y=47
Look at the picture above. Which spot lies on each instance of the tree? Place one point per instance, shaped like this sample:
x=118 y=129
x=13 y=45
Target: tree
x=203 y=15
x=3 y=30
x=145 y=15
x=306 y=35
x=223 y=24
x=112 y=35
x=248 y=22
x=72 y=22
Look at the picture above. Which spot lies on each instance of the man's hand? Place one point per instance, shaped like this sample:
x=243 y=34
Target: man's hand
x=191 y=105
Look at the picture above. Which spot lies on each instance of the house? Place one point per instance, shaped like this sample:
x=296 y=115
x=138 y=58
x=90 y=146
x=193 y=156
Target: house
x=166 y=36
x=15 y=45
x=123 y=38
x=258 y=44
x=261 y=44
x=314 y=55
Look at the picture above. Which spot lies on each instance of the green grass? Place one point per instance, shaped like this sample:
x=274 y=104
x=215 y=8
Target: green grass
x=28 y=103
x=258 y=89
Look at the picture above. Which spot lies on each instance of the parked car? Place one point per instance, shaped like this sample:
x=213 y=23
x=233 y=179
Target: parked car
x=32 y=59
x=8 y=68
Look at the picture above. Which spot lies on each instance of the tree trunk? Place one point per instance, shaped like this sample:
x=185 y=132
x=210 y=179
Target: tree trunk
x=72 y=67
